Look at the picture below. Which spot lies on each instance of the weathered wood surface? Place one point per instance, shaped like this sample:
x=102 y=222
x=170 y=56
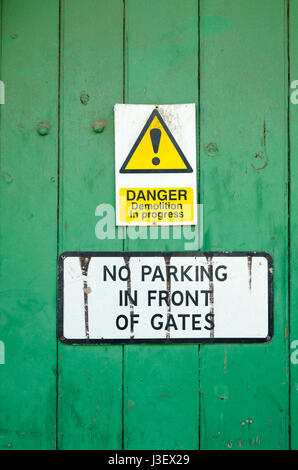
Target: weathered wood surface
x=28 y=229
x=231 y=58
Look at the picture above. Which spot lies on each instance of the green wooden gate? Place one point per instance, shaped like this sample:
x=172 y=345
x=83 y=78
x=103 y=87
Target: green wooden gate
x=66 y=64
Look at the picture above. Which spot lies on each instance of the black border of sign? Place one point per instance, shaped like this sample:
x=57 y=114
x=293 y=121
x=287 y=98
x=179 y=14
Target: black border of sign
x=154 y=113
x=161 y=254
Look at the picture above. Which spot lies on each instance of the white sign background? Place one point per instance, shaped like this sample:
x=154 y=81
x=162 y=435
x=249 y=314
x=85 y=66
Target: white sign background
x=240 y=297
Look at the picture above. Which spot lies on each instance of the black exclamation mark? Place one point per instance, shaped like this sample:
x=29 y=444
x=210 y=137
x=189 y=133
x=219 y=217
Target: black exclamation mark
x=155 y=135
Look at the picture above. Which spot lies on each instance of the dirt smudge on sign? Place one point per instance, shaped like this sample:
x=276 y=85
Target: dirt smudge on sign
x=84 y=263
x=131 y=310
x=168 y=282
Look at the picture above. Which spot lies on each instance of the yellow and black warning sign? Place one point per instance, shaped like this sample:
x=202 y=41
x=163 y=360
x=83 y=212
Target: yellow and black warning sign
x=155 y=205
x=156 y=150
x=155 y=164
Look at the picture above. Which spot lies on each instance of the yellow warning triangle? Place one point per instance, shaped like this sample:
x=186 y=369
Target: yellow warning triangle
x=156 y=150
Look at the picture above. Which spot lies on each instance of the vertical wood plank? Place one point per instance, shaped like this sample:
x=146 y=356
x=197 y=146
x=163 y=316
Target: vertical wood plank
x=28 y=229
x=244 y=389
x=161 y=382
x=293 y=122
x=90 y=377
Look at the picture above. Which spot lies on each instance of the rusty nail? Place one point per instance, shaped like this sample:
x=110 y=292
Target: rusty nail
x=211 y=149
x=43 y=128
x=98 y=126
x=84 y=98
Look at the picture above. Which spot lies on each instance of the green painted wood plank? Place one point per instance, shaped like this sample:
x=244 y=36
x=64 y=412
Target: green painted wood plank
x=161 y=67
x=28 y=230
x=293 y=44
x=161 y=382
x=90 y=377
x=161 y=397
x=244 y=389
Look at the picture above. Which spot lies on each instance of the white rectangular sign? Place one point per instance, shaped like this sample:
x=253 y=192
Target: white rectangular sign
x=155 y=164
x=173 y=297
